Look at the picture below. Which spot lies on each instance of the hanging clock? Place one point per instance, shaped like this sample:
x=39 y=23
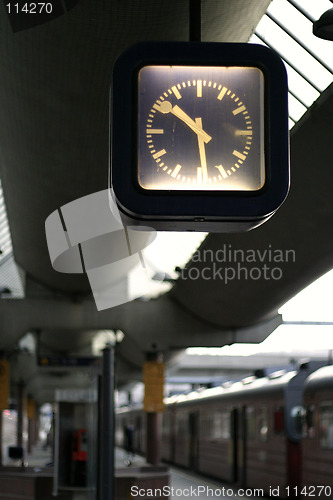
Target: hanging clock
x=199 y=136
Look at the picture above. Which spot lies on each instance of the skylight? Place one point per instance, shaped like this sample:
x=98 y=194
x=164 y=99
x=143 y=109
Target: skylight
x=287 y=28
x=9 y=275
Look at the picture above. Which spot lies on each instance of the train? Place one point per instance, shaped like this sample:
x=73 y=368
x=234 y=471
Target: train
x=271 y=433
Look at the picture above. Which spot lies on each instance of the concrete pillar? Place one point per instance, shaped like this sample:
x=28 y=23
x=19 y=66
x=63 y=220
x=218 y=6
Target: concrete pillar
x=154 y=438
x=154 y=425
x=106 y=486
x=1 y=457
x=31 y=430
x=20 y=413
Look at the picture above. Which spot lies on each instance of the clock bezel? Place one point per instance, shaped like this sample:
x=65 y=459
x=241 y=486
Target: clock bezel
x=141 y=205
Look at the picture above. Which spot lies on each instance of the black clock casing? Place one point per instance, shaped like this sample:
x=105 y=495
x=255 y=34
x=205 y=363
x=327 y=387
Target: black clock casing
x=199 y=136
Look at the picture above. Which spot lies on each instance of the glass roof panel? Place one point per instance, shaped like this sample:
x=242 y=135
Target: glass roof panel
x=313 y=8
x=294 y=22
x=9 y=275
x=291 y=123
x=287 y=28
x=294 y=54
x=5 y=239
x=296 y=109
x=305 y=92
x=302 y=89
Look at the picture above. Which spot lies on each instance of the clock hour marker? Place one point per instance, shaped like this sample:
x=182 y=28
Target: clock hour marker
x=239 y=110
x=239 y=155
x=155 y=131
x=222 y=171
x=159 y=153
x=243 y=132
x=222 y=93
x=199 y=88
x=176 y=171
x=176 y=92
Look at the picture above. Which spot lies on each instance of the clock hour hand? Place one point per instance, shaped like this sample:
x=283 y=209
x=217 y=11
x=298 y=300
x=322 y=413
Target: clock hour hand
x=166 y=107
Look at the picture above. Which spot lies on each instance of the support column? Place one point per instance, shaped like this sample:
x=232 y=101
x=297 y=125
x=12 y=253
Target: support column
x=154 y=387
x=154 y=438
x=31 y=413
x=53 y=428
x=4 y=396
x=106 y=489
x=20 y=412
x=30 y=434
x=1 y=427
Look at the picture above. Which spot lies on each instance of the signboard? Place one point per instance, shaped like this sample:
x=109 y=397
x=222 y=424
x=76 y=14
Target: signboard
x=153 y=378
x=53 y=361
x=4 y=384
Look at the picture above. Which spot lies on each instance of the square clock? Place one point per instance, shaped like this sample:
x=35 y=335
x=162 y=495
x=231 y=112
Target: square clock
x=199 y=136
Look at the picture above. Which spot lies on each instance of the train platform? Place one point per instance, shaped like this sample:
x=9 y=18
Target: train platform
x=184 y=485
x=146 y=481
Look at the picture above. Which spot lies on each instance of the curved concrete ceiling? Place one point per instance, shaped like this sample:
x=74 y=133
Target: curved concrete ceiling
x=54 y=103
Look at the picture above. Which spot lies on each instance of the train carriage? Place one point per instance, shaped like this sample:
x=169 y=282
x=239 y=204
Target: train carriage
x=241 y=434
x=246 y=433
x=318 y=436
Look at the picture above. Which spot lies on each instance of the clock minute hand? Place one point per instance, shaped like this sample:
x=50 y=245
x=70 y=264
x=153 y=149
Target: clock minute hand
x=166 y=107
x=202 y=153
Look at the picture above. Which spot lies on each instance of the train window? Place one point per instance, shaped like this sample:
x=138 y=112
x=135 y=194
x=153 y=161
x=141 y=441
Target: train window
x=250 y=423
x=205 y=424
x=326 y=426
x=298 y=419
x=310 y=422
x=226 y=425
x=166 y=424
x=263 y=423
x=221 y=425
x=279 y=421
x=211 y=424
x=217 y=424
x=182 y=424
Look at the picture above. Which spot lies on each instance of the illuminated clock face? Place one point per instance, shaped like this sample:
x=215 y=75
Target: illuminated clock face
x=201 y=128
